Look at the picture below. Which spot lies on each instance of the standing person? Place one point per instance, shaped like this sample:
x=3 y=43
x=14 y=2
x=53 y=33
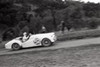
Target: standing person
x=62 y=26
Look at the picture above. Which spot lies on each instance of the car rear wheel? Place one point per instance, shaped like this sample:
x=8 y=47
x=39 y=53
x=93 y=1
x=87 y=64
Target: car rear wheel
x=15 y=46
x=46 y=42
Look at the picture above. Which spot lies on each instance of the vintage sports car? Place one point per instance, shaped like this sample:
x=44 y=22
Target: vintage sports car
x=44 y=39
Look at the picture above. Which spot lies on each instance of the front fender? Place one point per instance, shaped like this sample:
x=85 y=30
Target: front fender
x=9 y=44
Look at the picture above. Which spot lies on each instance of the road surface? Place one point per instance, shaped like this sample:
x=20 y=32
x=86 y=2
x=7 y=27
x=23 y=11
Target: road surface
x=63 y=44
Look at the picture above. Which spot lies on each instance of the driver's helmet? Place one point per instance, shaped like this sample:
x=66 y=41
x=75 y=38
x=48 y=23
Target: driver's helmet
x=43 y=28
x=24 y=33
x=62 y=21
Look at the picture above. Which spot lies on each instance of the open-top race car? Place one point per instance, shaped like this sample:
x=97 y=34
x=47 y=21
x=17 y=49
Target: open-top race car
x=44 y=39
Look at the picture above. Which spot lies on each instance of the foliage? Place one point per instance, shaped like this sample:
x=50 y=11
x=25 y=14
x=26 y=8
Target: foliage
x=8 y=12
x=93 y=23
x=49 y=13
x=91 y=9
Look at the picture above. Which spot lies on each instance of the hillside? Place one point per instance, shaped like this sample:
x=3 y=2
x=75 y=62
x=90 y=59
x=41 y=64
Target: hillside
x=30 y=15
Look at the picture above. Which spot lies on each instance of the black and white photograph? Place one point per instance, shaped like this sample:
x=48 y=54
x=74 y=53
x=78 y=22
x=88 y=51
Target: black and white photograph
x=49 y=33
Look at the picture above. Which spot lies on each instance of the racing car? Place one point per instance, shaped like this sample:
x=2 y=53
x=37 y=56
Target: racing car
x=43 y=39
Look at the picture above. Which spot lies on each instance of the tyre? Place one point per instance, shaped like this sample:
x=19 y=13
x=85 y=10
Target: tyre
x=15 y=46
x=46 y=42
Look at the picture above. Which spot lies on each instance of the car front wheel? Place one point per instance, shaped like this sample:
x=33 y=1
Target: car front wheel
x=46 y=42
x=15 y=46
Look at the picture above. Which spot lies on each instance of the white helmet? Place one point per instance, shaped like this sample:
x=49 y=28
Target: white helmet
x=43 y=27
x=24 y=33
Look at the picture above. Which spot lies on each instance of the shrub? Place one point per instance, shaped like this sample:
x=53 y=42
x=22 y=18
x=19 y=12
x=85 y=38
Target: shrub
x=93 y=23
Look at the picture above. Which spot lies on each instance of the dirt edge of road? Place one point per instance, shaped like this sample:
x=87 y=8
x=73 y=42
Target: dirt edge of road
x=45 y=50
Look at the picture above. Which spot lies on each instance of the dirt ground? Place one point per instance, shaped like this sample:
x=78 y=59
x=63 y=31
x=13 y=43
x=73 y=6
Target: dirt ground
x=83 y=56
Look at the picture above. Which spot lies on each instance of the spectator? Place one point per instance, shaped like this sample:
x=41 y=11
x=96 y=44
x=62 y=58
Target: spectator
x=62 y=26
x=43 y=30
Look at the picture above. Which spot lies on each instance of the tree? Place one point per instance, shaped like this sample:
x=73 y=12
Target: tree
x=67 y=16
x=52 y=5
x=91 y=9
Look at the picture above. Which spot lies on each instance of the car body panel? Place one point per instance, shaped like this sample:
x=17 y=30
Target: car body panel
x=34 y=40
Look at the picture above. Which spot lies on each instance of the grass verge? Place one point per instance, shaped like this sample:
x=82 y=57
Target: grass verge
x=79 y=35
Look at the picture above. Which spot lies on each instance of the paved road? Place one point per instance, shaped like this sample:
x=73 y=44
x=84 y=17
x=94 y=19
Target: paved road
x=64 y=44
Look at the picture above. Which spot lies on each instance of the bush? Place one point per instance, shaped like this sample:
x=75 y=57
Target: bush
x=93 y=23
x=8 y=34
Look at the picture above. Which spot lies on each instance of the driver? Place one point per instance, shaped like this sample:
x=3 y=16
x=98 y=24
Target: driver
x=25 y=37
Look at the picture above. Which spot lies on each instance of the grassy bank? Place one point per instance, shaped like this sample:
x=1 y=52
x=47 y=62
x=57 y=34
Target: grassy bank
x=79 y=34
